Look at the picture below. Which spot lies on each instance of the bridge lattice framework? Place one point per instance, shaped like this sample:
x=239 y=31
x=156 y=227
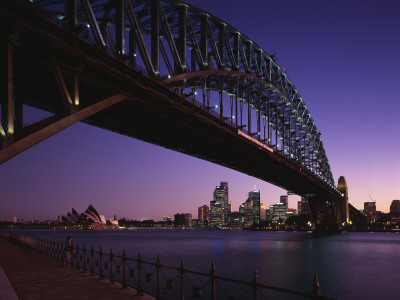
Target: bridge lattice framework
x=198 y=56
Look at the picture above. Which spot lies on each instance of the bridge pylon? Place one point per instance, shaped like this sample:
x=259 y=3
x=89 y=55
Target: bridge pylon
x=323 y=212
x=342 y=212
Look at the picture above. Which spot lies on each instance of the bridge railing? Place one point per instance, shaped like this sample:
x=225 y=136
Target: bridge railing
x=159 y=280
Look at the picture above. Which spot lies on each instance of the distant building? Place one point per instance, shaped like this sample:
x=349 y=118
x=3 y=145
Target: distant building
x=90 y=219
x=241 y=209
x=183 y=219
x=221 y=197
x=15 y=219
x=188 y=219
x=369 y=208
x=166 y=218
x=235 y=219
x=255 y=200
x=179 y=219
x=395 y=208
x=370 y=211
x=216 y=213
x=248 y=210
x=284 y=199
x=303 y=207
x=204 y=214
x=268 y=213
x=263 y=212
x=278 y=213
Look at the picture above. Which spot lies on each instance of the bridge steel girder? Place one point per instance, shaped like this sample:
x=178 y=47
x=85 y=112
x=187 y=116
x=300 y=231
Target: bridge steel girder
x=231 y=64
x=56 y=125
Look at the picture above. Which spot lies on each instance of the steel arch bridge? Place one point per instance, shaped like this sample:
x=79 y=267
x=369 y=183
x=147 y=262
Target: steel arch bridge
x=165 y=72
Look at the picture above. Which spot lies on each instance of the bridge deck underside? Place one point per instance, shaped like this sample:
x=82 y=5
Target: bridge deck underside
x=152 y=113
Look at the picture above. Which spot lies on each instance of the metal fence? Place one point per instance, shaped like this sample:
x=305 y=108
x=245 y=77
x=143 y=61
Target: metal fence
x=159 y=280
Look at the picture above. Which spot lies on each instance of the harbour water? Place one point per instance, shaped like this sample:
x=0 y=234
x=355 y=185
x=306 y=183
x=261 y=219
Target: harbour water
x=349 y=265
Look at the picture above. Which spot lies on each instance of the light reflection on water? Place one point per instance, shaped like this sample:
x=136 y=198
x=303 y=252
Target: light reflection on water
x=349 y=265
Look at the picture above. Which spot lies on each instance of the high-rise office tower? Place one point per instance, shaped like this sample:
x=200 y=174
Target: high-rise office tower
x=216 y=213
x=263 y=212
x=284 y=200
x=248 y=210
x=221 y=196
x=204 y=214
x=303 y=207
x=254 y=196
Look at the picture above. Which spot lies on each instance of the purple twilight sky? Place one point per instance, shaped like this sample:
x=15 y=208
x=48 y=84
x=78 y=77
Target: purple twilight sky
x=342 y=56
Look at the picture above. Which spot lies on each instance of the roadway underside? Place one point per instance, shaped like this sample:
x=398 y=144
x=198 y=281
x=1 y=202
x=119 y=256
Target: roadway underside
x=152 y=113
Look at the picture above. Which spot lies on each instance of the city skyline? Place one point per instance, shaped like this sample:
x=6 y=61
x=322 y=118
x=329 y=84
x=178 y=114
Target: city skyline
x=342 y=57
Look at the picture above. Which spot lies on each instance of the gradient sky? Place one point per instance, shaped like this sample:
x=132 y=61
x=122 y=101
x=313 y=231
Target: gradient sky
x=343 y=58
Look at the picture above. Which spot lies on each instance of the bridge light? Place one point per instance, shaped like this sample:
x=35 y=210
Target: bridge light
x=195 y=93
x=169 y=76
x=134 y=54
x=88 y=26
x=216 y=106
x=233 y=117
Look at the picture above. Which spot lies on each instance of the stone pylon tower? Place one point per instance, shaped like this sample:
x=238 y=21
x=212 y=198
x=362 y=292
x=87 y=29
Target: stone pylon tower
x=343 y=205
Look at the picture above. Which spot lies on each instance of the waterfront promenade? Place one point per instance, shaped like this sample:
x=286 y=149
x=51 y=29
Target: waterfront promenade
x=35 y=276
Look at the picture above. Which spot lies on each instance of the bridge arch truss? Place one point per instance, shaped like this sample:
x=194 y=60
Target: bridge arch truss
x=203 y=60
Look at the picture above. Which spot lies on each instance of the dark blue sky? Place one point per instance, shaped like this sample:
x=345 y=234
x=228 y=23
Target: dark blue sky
x=342 y=56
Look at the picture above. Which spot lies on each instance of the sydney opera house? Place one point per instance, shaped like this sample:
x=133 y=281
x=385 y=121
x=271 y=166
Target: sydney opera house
x=89 y=219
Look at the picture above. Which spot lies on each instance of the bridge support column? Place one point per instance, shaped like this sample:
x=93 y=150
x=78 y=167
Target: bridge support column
x=323 y=212
x=343 y=203
x=7 y=95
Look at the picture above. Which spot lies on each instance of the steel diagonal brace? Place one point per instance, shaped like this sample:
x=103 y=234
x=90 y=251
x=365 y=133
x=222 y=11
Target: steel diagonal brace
x=61 y=84
x=57 y=126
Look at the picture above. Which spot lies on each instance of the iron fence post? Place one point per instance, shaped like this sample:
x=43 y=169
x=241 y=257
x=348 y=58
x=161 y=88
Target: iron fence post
x=101 y=277
x=77 y=256
x=255 y=284
x=54 y=250
x=213 y=274
x=158 y=266
x=111 y=267
x=62 y=252
x=58 y=250
x=72 y=255
x=139 y=263
x=84 y=257
x=92 y=260
x=182 y=278
x=124 y=284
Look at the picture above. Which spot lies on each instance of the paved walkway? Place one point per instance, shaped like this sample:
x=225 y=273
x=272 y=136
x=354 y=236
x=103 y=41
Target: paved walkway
x=35 y=276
